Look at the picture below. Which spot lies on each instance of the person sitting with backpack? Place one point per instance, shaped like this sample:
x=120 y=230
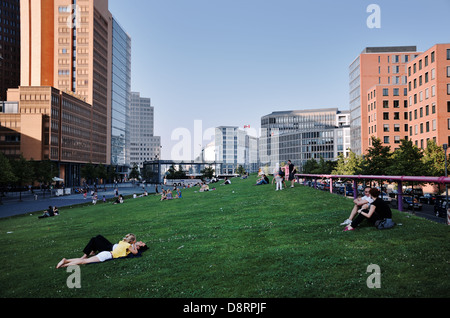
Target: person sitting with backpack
x=379 y=213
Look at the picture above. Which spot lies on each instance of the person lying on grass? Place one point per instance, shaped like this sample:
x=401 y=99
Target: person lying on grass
x=122 y=249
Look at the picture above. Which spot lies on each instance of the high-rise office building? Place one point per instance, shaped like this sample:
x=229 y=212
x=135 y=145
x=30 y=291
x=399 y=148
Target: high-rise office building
x=62 y=108
x=377 y=85
x=303 y=135
x=9 y=46
x=121 y=98
x=44 y=123
x=429 y=96
x=409 y=100
x=66 y=44
x=230 y=148
x=144 y=146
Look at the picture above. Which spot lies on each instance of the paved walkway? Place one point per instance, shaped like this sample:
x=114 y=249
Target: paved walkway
x=11 y=204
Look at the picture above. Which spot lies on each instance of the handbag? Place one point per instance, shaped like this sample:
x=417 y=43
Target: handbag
x=384 y=224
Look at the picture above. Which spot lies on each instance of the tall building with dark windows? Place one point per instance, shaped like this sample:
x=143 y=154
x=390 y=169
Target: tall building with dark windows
x=66 y=44
x=121 y=98
x=62 y=109
x=9 y=46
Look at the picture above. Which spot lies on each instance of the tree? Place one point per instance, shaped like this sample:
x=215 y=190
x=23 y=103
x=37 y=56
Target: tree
x=112 y=174
x=101 y=173
x=377 y=159
x=134 y=174
x=348 y=166
x=173 y=173
x=43 y=171
x=326 y=166
x=88 y=172
x=407 y=160
x=434 y=159
x=208 y=172
x=240 y=170
x=322 y=167
x=6 y=174
x=310 y=166
x=23 y=171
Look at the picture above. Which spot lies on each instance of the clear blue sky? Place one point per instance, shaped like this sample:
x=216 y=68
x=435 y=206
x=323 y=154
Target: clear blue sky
x=230 y=62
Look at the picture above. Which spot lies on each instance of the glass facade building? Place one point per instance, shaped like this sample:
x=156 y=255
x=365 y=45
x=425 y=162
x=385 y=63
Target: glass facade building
x=303 y=135
x=234 y=148
x=121 y=96
x=355 y=105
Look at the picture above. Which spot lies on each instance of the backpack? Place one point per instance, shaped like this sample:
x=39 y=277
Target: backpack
x=384 y=224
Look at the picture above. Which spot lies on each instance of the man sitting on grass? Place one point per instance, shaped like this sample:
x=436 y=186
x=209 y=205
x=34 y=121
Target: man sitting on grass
x=360 y=203
x=378 y=211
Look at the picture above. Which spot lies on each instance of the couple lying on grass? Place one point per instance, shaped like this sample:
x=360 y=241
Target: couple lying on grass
x=128 y=247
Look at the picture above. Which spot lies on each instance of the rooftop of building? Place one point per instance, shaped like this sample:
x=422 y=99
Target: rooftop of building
x=390 y=49
x=305 y=111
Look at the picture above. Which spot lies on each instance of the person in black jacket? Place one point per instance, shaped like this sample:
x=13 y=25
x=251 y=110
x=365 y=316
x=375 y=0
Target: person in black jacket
x=378 y=211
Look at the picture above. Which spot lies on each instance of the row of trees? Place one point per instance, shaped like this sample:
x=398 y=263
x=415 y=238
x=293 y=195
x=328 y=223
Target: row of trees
x=407 y=160
x=20 y=172
x=17 y=173
x=173 y=173
x=93 y=173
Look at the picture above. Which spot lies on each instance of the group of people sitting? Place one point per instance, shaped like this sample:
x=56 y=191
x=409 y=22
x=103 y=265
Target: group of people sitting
x=167 y=194
x=372 y=208
x=50 y=212
x=263 y=180
x=204 y=187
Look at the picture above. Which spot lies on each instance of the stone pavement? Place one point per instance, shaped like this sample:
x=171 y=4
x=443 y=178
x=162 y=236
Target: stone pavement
x=11 y=205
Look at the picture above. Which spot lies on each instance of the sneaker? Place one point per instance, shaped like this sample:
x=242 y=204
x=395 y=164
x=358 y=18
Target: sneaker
x=347 y=229
x=346 y=222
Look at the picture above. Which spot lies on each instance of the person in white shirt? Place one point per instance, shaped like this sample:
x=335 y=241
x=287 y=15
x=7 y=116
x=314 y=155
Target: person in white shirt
x=360 y=204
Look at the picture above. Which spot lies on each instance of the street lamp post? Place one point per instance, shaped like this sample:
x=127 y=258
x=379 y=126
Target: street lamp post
x=445 y=146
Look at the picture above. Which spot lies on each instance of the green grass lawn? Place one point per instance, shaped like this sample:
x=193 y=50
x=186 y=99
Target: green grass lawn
x=239 y=241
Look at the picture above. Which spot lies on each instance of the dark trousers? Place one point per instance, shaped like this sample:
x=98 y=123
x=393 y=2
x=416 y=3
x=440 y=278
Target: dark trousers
x=98 y=244
x=360 y=218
